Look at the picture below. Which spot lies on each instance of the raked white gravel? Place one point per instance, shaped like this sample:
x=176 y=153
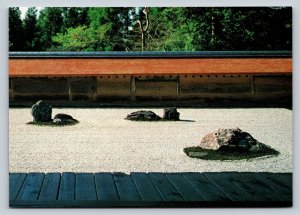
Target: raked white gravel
x=103 y=141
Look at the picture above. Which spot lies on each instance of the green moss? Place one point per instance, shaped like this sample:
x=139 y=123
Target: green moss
x=52 y=124
x=225 y=154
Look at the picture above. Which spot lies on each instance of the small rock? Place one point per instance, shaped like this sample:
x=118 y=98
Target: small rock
x=143 y=115
x=41 y=112
x=171 y=114
x=62 y=118
x=57 y=121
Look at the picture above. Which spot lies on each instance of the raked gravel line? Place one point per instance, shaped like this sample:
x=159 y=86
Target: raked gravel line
x=104 y=141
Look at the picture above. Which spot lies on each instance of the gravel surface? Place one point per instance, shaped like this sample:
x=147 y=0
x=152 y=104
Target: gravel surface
x=104 y=141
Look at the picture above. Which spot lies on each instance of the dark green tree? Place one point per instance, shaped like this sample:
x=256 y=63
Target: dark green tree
x=168 y=29
x=50 y=22
x=16 y=31
x=74 y=17
x=30 y=29
x=117 y=21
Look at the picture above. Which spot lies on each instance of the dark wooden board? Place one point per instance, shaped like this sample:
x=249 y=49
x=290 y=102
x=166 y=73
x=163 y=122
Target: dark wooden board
x=16 y=181
x=85 y=187
x=126 y=188
x=67 y=186
x=49 y=190
x=281 y=184
x=225 y=183
x=145 y=187
x=31 y=187
x=258 y=188
x=224 y=189
x=185 y=188
x=165 y=188
x=105 y=187
x=205 y=187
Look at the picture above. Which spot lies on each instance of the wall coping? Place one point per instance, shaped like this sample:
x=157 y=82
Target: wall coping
x=177 y=54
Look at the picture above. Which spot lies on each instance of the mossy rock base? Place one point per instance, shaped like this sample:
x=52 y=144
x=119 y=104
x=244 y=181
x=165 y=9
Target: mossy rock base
x=151 y=120
x=226 y=154
x=53 y=124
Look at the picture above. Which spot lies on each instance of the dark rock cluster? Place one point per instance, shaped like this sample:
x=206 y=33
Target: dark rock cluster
x=42 y=113
x=146 y=115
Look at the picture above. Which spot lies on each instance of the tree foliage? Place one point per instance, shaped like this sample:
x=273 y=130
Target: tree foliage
x=30 y=29
x=15 y=29
x=169 y=29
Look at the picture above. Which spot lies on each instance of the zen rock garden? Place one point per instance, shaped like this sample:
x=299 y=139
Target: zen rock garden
x=229 y=144
x=170 y=114
x=221 y=144
x=42 y=115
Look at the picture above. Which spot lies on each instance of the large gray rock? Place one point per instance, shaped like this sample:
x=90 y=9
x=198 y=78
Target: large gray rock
x=171 y=114
x=231 y=139
x=41 y=112
x=143 y=115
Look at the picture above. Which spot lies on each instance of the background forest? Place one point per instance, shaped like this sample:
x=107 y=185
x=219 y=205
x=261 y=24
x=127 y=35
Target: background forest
x=150 y=29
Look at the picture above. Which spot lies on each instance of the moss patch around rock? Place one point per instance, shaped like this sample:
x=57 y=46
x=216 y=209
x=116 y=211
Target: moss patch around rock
x=225 y=154
x=53 y=124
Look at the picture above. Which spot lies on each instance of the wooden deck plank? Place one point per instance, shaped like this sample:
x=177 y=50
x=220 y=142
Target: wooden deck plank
x=16 y=181
x=49 y=190
x=167 y=191
x=283 y=180
x=225 y=189
x=185 y=188
x=205 y=187
x=31 y=187
x=280 y=184
x=145 y=187
x=67 y=186
x=126 y=188
x=105 y=187
x=255 y=186
x=225 y=183
x=85 y=188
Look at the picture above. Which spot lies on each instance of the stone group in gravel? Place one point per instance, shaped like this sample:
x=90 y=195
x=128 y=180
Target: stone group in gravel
x=147 y=115
x=42 y=113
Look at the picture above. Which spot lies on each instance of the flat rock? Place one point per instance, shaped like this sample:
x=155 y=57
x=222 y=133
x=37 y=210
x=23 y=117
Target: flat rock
x=62 y=118
x=143 y=115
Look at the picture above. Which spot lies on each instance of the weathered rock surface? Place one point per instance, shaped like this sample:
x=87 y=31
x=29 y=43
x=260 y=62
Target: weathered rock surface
x=41 y=112
x=231 y=139
x=62 y=118
x=171 y=114
x=143 y=115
